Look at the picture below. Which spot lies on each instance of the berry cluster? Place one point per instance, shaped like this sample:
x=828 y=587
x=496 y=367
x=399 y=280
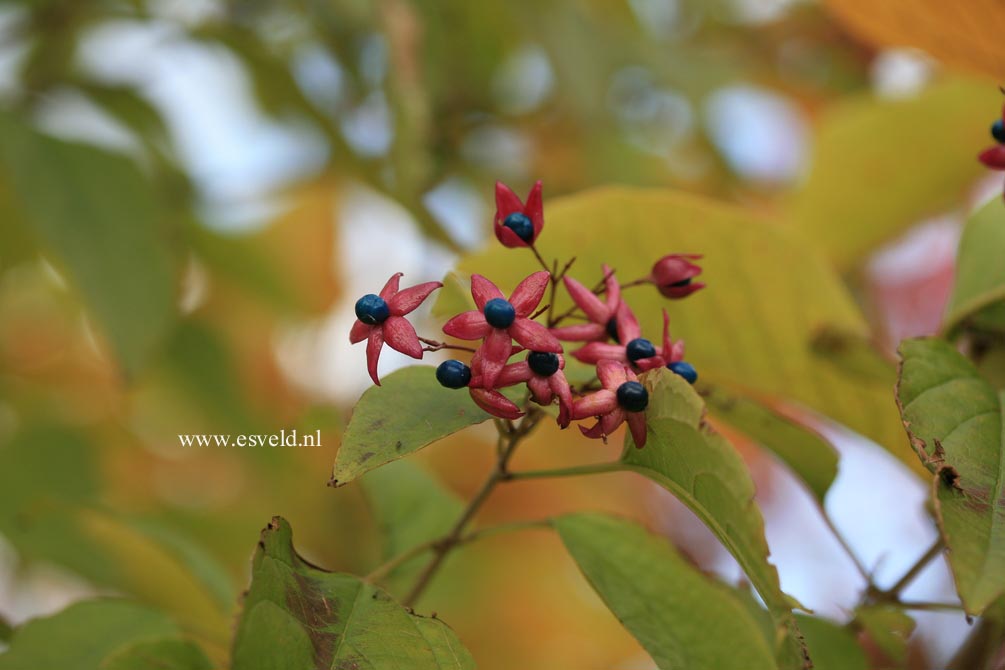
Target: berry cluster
x=994 y=157
x=507 y=327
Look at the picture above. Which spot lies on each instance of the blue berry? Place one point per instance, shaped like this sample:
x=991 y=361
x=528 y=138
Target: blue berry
x=371 y=309
x=998 y=131
x=520 y=224
x=685 y=370
x=640 y=348
x=453 y=374
x=612 y=329
x=543 y=363
x=499 y=313
x=633 y=396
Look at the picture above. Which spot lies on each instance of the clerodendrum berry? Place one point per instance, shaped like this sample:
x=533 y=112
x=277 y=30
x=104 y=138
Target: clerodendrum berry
x=685 y=370
x=543 y=363
x=633 y=396
x=453 y=374
x=499 y=313
x=372 y=309
x=998 y=131
x=612 y=328
x=520 y=224
x=639 y=348
x=674 y=275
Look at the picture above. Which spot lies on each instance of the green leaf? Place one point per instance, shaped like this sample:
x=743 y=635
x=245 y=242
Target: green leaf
x=157 y=568
x=152 y=572
x=60 y=522
x=211 y=576
x=888 y=627
x=298 y=616
x=98 y=217
x=702 y=469
x=240 y=259
x=130 y=108
x=163 y=654
x=978 y=294
x=678 y=615
x=409 y=411
x=16 y=243
x=198 y=366
x=992 y=365
x=872 y=179
x=832 y=647
x=411 y=507
x=806 y=452
x=83 y=635
x=953 y=417
x=750 y=331
x=60 y=456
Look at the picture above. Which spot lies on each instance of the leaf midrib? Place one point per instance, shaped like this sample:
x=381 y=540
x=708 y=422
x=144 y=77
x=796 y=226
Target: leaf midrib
x=996 y=519
x=348 y=621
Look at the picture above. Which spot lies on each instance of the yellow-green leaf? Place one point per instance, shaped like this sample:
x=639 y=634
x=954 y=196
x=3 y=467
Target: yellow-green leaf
x=159 y=654
x=856 y=356
x=978 y=298
x=880 y=165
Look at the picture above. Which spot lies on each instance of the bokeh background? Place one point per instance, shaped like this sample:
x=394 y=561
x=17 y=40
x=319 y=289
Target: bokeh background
x=193 y=193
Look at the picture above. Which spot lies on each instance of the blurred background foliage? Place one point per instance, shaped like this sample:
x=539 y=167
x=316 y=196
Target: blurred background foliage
x=193 y=192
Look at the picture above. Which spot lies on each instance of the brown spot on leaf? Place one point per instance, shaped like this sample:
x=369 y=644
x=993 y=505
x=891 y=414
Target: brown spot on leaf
x=975 y=499
x=308 y=604
x=949 y=477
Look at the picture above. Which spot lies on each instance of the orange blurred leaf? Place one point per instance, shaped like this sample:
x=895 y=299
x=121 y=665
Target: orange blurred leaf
x=964 y=34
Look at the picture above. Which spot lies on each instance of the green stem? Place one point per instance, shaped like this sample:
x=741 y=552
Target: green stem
x=540 y=260
x=498 y=529
x=601 y=287
x=382 y=571
x=930 y=606
x=442 y=547
x=599 y=290
x=386 y=568
x=847 y=547
x=556 y=276
x=915 y=570
x=591 y=469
